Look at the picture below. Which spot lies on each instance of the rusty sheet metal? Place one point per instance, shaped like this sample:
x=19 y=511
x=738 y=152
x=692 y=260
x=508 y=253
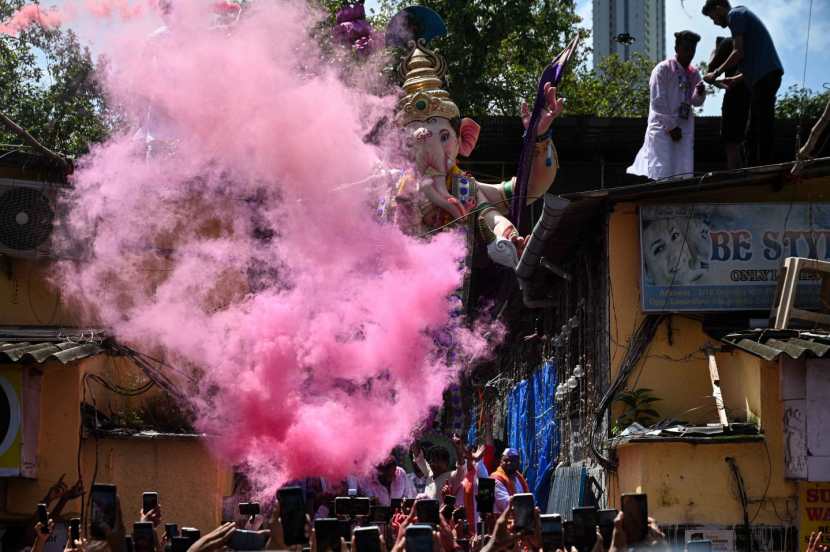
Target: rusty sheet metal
x=40 y=352
x=771 y=344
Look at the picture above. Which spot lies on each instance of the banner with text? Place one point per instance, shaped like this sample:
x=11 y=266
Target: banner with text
x=726 y=257
x=814 y=503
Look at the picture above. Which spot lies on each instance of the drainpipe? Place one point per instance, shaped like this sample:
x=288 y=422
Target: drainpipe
x=552 y=214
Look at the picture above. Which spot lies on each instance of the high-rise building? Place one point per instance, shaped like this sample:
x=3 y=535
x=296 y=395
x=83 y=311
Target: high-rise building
x=624 y=27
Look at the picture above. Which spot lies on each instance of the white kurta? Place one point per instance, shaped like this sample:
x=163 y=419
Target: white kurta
x=660 y=157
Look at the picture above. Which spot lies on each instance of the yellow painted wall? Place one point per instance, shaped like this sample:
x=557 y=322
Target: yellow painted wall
x=191 y=481
x=677 y=370
x=28 y=299
x=690 y=483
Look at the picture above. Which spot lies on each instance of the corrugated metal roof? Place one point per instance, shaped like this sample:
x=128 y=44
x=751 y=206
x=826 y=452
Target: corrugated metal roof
x=40 y=352
x=771 y=344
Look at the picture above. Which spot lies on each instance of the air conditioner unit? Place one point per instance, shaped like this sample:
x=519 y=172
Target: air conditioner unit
x=19 y=420
x=27 y=217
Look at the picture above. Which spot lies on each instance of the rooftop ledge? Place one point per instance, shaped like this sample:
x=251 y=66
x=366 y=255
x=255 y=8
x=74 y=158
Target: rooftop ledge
x=692 y=440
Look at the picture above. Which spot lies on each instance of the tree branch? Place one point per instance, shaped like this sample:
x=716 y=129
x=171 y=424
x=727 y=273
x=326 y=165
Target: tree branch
x=24 y=135
x=807 y=151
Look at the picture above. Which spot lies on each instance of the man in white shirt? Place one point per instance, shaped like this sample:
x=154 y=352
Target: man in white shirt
x=676 y=86
x=387 y=482
x=437 y=468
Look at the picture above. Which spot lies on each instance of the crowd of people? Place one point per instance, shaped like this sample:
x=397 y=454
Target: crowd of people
x=746 y=65
x=440 y=508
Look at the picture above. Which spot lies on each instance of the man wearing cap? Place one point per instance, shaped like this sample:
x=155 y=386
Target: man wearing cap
x=756 y=58
x=676 y=86
x=509 y=480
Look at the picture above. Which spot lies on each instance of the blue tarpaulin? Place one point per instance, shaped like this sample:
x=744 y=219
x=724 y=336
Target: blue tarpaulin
x=532 y=428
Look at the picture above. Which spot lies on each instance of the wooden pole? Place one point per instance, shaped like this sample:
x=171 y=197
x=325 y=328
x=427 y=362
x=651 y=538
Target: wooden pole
x=714 y=376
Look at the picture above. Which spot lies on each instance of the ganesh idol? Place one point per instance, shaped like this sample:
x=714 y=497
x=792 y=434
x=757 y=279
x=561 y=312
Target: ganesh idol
x=436 y=194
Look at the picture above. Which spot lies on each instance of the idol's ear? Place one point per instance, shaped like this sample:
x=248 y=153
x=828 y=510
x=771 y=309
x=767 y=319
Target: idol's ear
x=468 y=136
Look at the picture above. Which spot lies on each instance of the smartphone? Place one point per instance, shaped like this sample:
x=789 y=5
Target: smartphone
x=247 y=540
x=361 y=506
x=128 y=543
x=180 y=544
x=249 y=509
x=367 y=539
x=74 y=529
x=427 y=511
x=449 y=500
x=407 y=504
x=328 y=532
x=605 y=520
x=171 y=530
x=346 y=529
x=523 y=508
x=397 y=503
x=149 y=501
x=103 y=509
x=479 y=528
x=191 y=533
x=43 y=518
x=552 y=531
x=568 y=535
x=635 y=517
x=419 y=537
x=381 y=514
x=486 y=495
x=144 y=537
x=292 y=515
x=343 y=506
x=585 y=527
x=699 y=546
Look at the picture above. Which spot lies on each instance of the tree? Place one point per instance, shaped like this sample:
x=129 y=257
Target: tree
x=795 y=99
x=496 y=50
x=48 y=86
x=616 y=89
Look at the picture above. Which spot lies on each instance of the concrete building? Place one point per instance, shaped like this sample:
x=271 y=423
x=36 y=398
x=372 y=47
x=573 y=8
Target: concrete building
x=644 y=21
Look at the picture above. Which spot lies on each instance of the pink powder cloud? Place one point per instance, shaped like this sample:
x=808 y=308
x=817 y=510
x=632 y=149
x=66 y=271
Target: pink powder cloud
x=222 y=233
x=30 y=14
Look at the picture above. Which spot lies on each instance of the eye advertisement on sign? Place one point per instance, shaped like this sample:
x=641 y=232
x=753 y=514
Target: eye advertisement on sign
x=727 y=257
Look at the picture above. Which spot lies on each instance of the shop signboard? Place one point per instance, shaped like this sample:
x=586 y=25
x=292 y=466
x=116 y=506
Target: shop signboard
x=727 y=257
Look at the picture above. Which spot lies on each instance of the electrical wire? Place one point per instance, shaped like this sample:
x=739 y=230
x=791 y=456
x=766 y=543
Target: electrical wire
x=804 y=80
x=640 y=340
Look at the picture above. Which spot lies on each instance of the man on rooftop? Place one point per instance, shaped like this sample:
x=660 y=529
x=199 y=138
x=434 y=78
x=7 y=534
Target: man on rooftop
x=675 y=86
x=760 y=68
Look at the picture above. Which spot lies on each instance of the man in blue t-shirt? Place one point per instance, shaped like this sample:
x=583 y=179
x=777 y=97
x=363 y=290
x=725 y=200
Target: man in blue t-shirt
x=760 y=68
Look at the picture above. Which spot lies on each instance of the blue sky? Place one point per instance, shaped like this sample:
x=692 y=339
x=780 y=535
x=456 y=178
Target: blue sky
x=785 y=19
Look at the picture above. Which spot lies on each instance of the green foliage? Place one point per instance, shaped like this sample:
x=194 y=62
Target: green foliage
x=791 y=103
x=638 y=408
x=617 y=89
x=62 y=106
x=497 y=50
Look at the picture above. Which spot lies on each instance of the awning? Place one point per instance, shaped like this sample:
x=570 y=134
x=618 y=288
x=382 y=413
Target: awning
x=771 y=344
x=40 y=352
x=33 y=344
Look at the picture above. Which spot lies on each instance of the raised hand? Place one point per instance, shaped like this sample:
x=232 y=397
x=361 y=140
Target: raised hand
x=553 y=108
x=814 y=544
x=215 y=540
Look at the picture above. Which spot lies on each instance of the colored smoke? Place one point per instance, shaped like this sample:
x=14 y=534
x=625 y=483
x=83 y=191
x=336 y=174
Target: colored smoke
x=222 y=233
x=28 y=15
